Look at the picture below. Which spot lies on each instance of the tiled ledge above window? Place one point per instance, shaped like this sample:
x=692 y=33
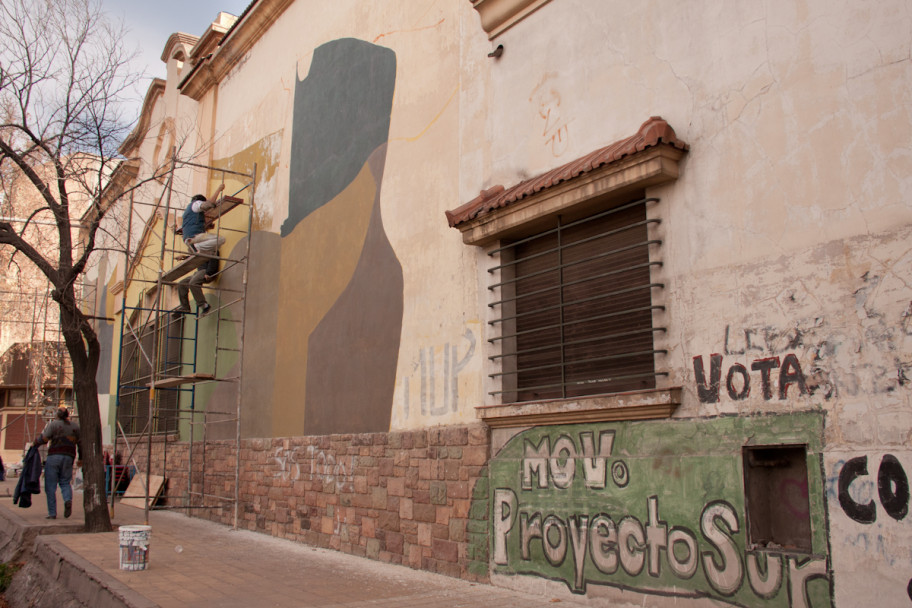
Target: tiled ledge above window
x=650 y=157
x=497 y=16
x=637 y=405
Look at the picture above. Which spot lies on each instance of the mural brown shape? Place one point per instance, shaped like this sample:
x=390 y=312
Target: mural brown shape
x=259 y=344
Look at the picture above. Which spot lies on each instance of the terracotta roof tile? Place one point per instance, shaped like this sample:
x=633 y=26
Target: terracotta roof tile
x=653 y=132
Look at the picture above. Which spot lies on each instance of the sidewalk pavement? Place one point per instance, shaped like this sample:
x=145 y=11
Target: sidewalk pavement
x=193 y=562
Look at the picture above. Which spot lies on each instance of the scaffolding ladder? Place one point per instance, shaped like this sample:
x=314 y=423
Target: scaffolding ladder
x=159 y=360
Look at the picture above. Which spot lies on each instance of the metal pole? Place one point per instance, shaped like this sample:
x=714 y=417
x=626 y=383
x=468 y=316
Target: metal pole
x=156 y=324
x=28 y=370
x=243 y=324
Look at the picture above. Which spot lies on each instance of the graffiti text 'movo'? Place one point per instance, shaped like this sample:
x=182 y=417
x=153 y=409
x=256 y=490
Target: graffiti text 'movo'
x=558 y=463
x=629 y=546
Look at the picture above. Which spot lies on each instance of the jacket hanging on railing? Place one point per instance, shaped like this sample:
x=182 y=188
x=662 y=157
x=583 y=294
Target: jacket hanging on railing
x=29 y=479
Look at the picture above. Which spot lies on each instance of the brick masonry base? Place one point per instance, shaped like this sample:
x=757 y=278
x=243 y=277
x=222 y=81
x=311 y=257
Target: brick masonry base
x=417 y=498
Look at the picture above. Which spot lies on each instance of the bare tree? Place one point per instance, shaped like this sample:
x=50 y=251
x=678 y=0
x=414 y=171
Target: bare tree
x=63 y=75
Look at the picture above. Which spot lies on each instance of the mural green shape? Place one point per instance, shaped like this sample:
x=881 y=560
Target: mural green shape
x=654 y=507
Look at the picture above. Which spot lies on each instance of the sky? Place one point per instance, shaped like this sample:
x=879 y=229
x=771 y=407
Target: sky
x=150 y=22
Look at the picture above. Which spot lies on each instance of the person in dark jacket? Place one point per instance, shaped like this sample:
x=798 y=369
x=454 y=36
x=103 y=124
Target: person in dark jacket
x=63 y=436
x=29 y=479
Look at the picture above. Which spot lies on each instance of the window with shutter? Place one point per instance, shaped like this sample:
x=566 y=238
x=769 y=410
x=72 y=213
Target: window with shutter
x=136 y=374
x=575 y=307
x=576 y=329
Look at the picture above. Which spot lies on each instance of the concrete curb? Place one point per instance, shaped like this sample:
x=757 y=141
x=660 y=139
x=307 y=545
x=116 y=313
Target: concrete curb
x=89 y=584
x=66 y=578
x=17 y=534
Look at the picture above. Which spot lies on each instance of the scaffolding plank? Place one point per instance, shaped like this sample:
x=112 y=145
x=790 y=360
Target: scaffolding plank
x=135 y=495
x=181 y=380
x=188 y=265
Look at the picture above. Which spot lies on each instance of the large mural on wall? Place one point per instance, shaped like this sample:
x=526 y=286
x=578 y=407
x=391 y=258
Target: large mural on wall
x=659 y=507
x=340 y=286
x=325 y=295
x=260 y=328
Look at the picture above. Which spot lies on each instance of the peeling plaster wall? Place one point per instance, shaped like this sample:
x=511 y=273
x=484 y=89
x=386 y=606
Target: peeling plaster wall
x=785 y=242
x=786 y=238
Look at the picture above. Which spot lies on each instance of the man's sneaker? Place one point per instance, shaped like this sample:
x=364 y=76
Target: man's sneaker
x=68 y=508
x=50 y=517
x=181 y=310
x=203 y=308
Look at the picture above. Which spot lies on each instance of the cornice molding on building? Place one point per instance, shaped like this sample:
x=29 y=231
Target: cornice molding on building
x=497 y=16
x=138 y=134
x=123 y=176
x=199 y=80
x=207 y=43
x=209 y=71
x=175 y=39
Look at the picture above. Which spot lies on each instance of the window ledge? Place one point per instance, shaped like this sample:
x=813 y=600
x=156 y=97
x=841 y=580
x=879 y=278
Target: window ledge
x=636 y=405
x=648 y=168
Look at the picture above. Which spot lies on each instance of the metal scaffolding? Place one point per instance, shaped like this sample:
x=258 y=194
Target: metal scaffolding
x=166 y=359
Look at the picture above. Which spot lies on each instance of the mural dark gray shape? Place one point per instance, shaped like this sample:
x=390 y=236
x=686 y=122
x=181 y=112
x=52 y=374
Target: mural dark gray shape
x=341 y=115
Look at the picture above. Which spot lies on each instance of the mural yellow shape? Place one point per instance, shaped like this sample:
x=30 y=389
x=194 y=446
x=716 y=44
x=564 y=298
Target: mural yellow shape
x=318 y=260
x=265 y=154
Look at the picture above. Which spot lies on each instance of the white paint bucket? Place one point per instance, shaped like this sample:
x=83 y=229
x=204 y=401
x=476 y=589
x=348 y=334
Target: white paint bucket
x=134 y=547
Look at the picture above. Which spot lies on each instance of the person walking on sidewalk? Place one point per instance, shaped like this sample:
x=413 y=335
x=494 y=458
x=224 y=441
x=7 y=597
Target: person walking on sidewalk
x=63 y=436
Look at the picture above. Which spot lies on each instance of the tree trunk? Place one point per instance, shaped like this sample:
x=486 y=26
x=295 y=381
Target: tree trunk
x=84 y=350
x=97 y=518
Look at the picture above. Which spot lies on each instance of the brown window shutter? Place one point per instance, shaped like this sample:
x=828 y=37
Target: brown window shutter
x=576 y=308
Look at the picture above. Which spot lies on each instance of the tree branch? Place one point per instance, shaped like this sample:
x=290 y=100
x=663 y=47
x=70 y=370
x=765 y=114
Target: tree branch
x=8 y=236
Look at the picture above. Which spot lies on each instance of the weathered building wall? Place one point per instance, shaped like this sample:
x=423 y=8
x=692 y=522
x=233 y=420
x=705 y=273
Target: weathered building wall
x=166 y=128
x=785 y=238
x=785 y=265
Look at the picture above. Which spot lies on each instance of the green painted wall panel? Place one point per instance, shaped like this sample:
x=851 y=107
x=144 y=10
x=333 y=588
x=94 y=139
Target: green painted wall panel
x=657 y=507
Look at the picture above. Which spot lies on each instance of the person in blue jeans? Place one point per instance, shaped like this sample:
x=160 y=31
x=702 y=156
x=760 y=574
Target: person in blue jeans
x=63 y=436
